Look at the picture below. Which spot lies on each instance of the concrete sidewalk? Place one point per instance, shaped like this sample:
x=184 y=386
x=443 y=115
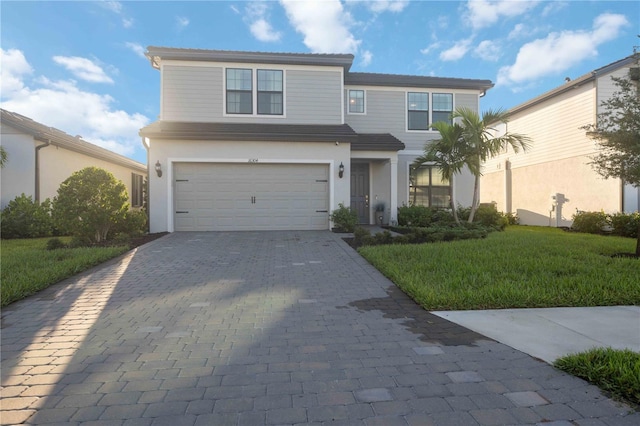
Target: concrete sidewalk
x=266 y=328
x=551 y=333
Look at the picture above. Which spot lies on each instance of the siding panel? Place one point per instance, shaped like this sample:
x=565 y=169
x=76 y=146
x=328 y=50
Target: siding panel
x=191 y=93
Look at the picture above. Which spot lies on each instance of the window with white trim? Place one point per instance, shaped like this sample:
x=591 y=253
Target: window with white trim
x=428 y=188
x=239 y=91
x=270 y=99
x=442 y=107
x=356 y=101
x=417 y=111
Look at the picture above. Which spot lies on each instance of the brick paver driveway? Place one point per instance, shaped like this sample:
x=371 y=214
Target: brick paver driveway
x=261 y=328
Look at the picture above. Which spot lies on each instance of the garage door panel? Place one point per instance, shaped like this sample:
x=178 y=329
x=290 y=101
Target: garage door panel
x=231 y=196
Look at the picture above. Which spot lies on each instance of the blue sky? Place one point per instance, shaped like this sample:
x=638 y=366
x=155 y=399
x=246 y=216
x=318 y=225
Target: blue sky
x=80 y=66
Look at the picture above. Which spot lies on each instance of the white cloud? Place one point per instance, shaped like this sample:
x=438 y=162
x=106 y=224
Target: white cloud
x=367 y=57
x=325 y=25
x=182 y=22
x=13 y=68
x=488 y=50
x=61 y=104
x=136 y=48
x=553 y=7
x=484 y=13
x=457 y=51
x=257 y=19
x=83 y=68
x=431 y=47
x=379 y=6
x=116 y=7
x=560 y=51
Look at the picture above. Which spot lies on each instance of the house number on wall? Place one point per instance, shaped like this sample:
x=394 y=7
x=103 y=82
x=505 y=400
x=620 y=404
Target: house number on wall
x=253 y=160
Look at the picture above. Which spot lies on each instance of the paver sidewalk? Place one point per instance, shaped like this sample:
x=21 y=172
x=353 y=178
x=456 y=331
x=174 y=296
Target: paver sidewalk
x=265 y=328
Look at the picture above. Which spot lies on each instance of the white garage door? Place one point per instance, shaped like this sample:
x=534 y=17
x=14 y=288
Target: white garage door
x=243 y=197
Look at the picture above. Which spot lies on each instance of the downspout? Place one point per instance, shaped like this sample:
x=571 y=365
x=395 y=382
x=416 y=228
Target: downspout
x=37 y=176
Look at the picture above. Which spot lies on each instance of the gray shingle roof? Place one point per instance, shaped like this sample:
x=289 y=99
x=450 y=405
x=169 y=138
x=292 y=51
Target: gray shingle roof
x=155 y=53
x=377 y=142
x=271 y=133
x=59 y=138
x=397 y=80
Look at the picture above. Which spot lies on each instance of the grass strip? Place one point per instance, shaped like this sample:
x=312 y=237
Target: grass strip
x=612 y=370
x=523 y=267
x=27 y=267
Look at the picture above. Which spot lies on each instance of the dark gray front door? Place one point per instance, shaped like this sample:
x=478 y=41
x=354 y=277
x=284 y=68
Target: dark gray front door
x=360 y=191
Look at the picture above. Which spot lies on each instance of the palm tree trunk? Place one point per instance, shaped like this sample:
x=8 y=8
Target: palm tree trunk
x=452 y=202
x=474 y=203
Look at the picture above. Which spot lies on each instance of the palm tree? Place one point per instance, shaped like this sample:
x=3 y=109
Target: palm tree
x=447 y=155
x=482 y=141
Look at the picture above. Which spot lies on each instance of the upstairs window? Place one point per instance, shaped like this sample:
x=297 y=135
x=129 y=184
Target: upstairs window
x=270 y=92
x=418 y=111
x=239 y=91
x=442 y=107
x=427 y=188
x=356 y=101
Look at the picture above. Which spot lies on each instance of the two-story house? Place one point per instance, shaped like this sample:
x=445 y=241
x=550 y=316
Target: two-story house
x=553 y=179
x=270 y=141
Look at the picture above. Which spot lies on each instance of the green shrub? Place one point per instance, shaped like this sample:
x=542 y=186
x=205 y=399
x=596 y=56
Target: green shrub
x=121 y=239
x=25 y=218
x=625 y=224
x=362 y=236
x=133 y=224
x=89 y=204
x=414 y=215
x=490 y=216
x=512 y=218
x=344 y=218
x=55 y=244
x=590 y=222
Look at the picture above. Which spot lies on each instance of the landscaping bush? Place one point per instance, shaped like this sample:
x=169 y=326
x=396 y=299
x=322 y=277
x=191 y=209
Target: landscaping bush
x=590 y=222
x=488 y=215
x=344 y=218
x=421 y=216
x=25 y=218
x=133 y=224
x=625 y=225
x=55 y=244
x=89 y=204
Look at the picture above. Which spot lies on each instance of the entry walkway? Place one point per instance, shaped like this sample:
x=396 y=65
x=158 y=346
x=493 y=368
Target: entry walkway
x=265 y=328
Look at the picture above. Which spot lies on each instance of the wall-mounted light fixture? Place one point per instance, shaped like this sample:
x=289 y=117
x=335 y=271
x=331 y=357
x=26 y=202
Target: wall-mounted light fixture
x=158 y=168
x=341 y=170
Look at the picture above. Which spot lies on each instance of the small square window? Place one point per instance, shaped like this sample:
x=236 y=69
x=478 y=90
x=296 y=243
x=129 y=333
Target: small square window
x=356 y=101
x=417 y=111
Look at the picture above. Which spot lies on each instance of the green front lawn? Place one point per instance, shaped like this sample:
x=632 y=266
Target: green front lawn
x=27 y=267
x=523 y=267
x=615 y=371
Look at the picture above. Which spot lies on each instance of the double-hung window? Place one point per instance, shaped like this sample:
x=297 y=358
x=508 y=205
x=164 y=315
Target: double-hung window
x=239 y=91
x=418 y=110
x=442 y=107
x=270 y=92
x=427 y=188
x=356 y=101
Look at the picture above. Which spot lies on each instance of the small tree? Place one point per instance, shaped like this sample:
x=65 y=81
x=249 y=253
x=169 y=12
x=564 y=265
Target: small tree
x=447 y=155
x=89 y=203
x=617 y=133
x=25 y=218
x=480 y=143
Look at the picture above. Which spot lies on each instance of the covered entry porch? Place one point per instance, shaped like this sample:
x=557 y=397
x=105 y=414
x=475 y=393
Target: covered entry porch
x=374 y=178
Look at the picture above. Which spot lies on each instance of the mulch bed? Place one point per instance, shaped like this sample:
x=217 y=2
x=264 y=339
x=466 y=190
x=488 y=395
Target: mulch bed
x=147 y=238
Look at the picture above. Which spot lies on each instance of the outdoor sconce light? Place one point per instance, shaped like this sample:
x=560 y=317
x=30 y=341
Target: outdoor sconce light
x=158 y=168
x=341 y=170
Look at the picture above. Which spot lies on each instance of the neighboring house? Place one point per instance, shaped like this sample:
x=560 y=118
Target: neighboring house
x=40 y=158
x=546 y=185
x=266 y=141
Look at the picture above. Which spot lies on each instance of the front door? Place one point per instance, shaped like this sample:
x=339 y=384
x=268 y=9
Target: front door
x=360 y=191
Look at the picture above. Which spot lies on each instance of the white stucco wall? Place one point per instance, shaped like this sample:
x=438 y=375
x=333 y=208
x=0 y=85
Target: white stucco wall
x=174 y=151
x=17 y=175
